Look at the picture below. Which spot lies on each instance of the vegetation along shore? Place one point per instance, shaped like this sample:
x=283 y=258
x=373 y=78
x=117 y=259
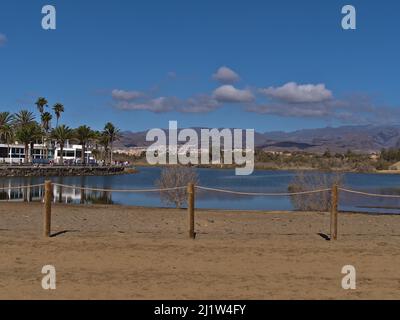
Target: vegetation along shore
x=62 y=171
x=29 y=138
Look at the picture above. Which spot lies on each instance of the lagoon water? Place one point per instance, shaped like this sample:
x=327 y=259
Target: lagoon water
x=259 y=181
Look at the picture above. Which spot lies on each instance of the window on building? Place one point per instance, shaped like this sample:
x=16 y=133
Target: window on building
x=4 y=152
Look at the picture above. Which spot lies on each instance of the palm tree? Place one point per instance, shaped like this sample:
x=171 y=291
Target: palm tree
x=83 y=134
x=27 y=135
x=46 y=125
x=102 y=140
x=113 y=134
x=23 y=118
x=6 y=118
x=41 y=103
x=61 y=134
x=6 y=129
x=97 y=141
x=26 y=129
x=6 y=133
x=58 y=109
x=7 y=136
x=46 y=121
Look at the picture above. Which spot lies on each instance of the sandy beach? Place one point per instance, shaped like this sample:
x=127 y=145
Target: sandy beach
x=116 y=252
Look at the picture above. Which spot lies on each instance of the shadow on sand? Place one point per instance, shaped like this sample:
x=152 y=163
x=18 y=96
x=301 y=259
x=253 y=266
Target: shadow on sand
x=60 y=233
x=325 y=236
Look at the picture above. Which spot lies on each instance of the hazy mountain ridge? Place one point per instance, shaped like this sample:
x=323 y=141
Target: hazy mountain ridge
x=364 y=139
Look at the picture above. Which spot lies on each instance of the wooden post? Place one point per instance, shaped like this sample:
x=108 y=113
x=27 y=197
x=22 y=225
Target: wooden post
x=48 y=192
x=190 y=191
x=334 y=212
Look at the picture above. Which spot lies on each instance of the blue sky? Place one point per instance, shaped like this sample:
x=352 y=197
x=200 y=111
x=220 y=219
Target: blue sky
x=283 y=65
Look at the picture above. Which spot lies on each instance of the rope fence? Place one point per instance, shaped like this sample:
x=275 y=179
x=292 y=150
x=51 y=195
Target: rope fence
x=376 y=195
x=191 y=188
x=262 y=193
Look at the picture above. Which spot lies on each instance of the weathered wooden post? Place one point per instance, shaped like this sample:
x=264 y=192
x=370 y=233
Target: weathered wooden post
x=190 y=191
x=48 y=192
x=334 y=212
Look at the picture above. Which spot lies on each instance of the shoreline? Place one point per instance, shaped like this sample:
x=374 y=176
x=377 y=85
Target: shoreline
x=261 y=168
x=62 y=171
x=51 y=171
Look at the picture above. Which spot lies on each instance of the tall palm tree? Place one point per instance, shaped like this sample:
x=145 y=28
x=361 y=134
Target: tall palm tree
x=27 y=135
x=105 y=143
x=6 y=129
x=6 y=133
x=97 y=141
x=7 y=136
x=61 y=134
x=58 y=109
x=83 y=134
x=46 y=125
x=23 y=118
x=96 y=138
x=41 y=103
x=6 y=118
x=46 y=121
x=113 y=134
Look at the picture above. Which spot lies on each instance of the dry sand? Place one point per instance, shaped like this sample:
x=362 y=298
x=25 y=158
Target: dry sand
x=115 y=252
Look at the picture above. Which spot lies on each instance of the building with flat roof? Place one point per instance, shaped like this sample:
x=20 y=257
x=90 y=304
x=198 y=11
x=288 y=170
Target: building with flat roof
x=15 y=153
x=73 y=153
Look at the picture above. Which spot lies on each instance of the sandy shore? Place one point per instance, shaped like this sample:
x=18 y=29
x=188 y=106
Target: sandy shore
x=115 y=252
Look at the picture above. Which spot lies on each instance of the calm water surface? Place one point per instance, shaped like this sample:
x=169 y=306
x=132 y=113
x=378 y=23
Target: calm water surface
x=260 y=181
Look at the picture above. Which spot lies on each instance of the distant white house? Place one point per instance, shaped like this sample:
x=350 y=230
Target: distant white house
x=15 y=153
x=73 y=152
x=12 y=153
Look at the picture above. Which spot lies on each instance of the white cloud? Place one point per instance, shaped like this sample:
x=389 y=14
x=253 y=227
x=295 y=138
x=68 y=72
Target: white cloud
x=125 y=95
x=290 y=100
x=157 y=105
x=226 y=75
x=354 y=109
x=295 y=93
x=315 y=110
x=196 y=104
x=3 y=39
x=228 y=93
x=200 y=104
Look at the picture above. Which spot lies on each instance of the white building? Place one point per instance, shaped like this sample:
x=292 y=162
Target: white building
x=73 y=153
x=15 y=153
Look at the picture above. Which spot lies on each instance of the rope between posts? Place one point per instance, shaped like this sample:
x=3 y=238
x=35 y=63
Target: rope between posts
x=118 y=190
x=370 y=194
x=262 y=194
x=205 y=189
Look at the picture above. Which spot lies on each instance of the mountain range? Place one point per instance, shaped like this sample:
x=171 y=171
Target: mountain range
x=360 y=139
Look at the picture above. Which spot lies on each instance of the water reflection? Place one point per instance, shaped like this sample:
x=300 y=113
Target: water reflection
x=260 y=181
x=21 y=194
x=61 y=195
